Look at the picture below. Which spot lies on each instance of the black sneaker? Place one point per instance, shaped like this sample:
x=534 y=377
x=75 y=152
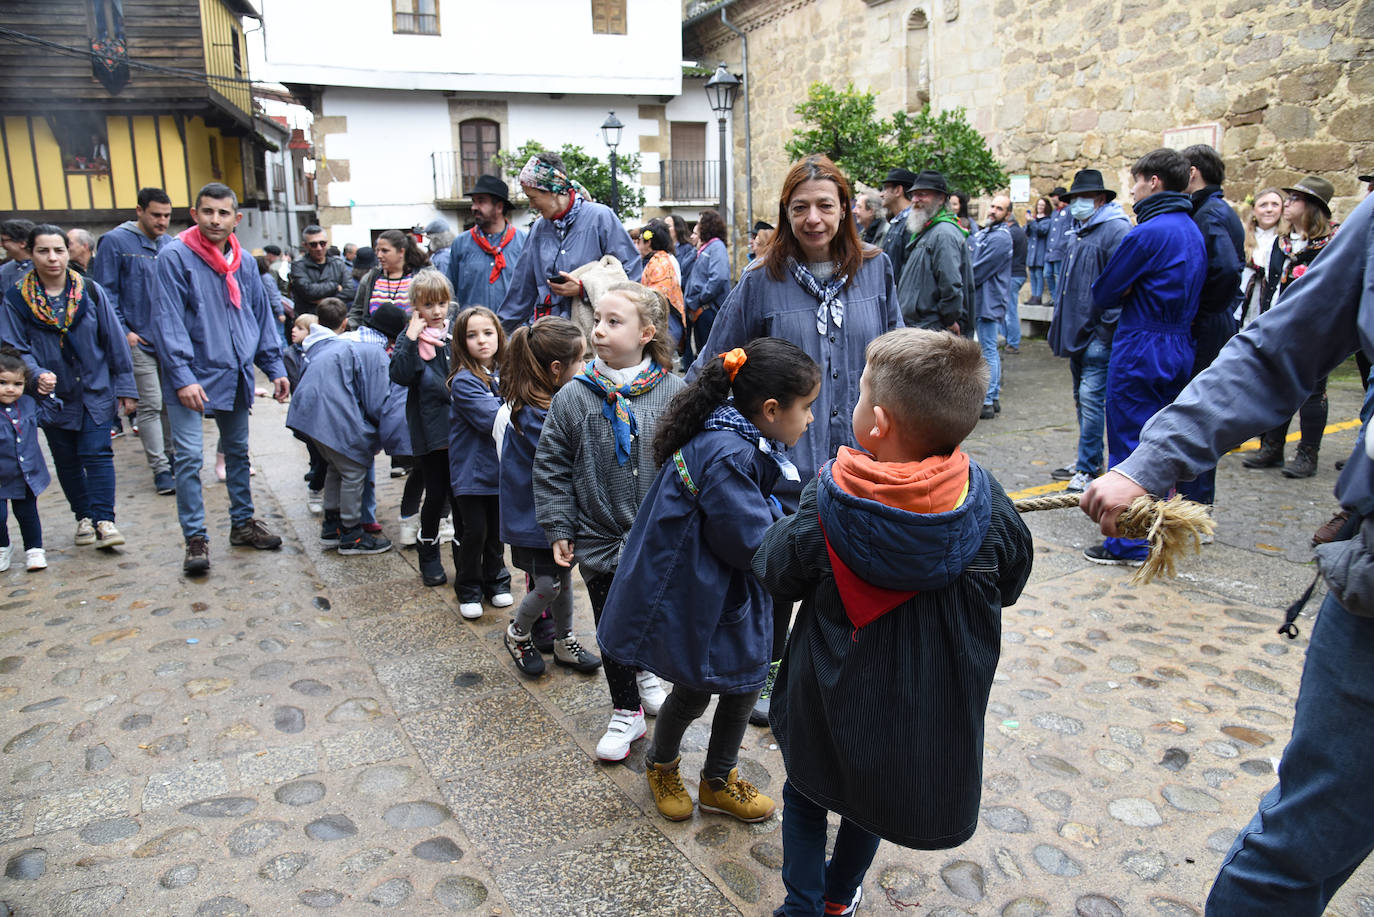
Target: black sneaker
x=759 y=715
x=1065 y=473
x=988 y=412
x=254 y=534
x=329 y=531
x=197 y=562
x=523 y=653
x=1099 y=554
x=358 y=540
x=543 y=633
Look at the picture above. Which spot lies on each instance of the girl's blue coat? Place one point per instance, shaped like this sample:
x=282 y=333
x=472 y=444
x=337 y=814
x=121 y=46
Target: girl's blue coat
x=685 y=604
x=22 y=466
x=102 y=371
x=518 y=526
x=472 y=464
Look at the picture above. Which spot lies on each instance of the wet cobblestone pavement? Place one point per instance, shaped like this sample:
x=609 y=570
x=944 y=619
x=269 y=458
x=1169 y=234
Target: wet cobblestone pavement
x=302 y=732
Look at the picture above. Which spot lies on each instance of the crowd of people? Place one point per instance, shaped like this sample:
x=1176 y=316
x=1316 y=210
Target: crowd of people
x=708 y=451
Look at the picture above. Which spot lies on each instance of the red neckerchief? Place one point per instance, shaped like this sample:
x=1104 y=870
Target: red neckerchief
x=499 y=259
x=863 y=602
x=215 y=259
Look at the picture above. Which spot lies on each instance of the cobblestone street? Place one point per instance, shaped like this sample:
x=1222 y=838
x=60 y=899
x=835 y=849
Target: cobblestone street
x=300 y=731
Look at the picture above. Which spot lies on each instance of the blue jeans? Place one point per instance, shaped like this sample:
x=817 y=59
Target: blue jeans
x=1090 y=398
x=1011 y=324
x=811 y=881
x=84 y=463
x=188 y=442
x=370 y=495
x=1037 y=279
x=1052 y=274
x=1317 y=825
x=987 y=339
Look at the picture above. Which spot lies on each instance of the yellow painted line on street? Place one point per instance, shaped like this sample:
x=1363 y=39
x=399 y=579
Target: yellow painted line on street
x=1058 y=486
x=1254 y=444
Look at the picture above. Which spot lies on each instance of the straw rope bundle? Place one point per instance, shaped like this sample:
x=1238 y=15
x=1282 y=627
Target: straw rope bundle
x=1171 y=526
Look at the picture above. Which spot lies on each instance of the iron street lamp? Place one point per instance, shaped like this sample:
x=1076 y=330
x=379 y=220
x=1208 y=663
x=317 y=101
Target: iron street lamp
x=721 y=89
x=610 y=131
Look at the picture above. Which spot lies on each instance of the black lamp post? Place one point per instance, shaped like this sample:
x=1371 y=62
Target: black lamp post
x=610 y=130
x=720 y=90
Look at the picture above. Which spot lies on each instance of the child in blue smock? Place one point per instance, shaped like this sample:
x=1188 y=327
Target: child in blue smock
x=23 y=471
x=479 y=566
x=539 y=360
x=685 y=604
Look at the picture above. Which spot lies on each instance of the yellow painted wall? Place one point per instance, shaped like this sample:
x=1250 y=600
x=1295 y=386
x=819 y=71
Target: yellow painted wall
x=145 y=150
x=220 y=32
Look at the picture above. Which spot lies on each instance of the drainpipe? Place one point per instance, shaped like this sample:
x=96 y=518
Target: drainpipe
x=748 y=134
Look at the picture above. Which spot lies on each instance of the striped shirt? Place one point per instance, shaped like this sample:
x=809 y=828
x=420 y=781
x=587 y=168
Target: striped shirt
x=386 y=290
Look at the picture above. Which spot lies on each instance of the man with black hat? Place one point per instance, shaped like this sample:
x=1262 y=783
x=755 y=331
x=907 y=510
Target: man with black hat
x=935 y=288
x=1076 y=332
x=1368 y=181
x=897 y=202
x=482 y=260
x=759 y=236
x=1057 y=241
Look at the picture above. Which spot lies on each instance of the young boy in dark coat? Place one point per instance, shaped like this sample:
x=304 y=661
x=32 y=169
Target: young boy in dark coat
x=903 y=558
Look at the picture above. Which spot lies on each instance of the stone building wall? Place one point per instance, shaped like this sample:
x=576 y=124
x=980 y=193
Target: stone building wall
x=1059 y=85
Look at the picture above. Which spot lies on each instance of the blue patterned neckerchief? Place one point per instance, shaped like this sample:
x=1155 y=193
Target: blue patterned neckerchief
x=827 y=294
x=728 y=417
x=564 y=223
x=615 y=403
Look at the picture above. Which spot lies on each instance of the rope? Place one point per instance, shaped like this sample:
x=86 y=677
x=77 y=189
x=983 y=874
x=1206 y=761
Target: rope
x=1170 y=526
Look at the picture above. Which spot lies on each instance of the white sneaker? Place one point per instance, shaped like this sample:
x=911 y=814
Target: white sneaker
x=1079 y=482
x=446 y=529
x=35 y=559
x=106 y=535
x=409 y=532
x=624 y=728
x=470 y=610
x=85 y=531
x=315 y=502
x=502 y=600
x=5 y=554
x=651 y=693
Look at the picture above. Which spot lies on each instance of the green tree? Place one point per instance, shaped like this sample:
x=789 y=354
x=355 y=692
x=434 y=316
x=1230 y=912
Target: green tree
x=594 y=174
x=845 y=126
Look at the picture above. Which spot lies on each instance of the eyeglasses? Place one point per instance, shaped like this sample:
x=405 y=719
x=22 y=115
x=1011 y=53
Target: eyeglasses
x=324 y=244
x=1294 y=196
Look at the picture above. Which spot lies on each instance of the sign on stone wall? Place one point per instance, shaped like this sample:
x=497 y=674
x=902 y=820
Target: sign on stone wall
x=1178 y=138
x=1020 y=189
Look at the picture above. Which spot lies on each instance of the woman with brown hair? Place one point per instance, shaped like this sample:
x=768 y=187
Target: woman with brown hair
x=706 y=288
x=1307 y=219
x=398 y=258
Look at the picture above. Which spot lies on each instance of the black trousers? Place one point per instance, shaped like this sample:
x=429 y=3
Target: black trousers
x=479 y=556
x=438 y=494
x=620 y=678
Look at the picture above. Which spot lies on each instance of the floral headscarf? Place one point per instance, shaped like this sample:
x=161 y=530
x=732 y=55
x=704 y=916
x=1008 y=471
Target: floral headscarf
x=542 y=175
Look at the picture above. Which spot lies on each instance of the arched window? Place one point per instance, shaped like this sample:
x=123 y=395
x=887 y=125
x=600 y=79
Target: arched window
x=479 y=139
x=917 y=60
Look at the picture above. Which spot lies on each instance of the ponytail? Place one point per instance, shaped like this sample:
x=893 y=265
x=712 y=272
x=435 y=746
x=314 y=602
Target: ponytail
x=531 y=350
x=772 y=368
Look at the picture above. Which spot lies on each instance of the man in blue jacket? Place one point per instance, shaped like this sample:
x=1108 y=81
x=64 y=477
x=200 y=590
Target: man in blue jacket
x=1215 y=322
x=211 y=323
x=1076 y=332
x=991 y=251
x=1316 y=825
x=1155 y=279
x=482 y=260
x=123 y=266
x=1057 y=245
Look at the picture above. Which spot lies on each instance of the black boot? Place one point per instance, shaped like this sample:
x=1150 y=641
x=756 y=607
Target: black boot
x=1304 y=464
x=1270 y=454
x=431 y=566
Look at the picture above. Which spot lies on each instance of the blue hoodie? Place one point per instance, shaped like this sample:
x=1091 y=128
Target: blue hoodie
x=883 y=723
x=1090 y=246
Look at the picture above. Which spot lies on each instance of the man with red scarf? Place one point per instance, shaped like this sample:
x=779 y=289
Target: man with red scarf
x=211 y=323
x=482 y=260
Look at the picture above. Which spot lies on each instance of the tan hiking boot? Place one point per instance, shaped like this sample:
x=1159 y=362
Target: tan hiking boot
x=669 y=794
x=733 y=796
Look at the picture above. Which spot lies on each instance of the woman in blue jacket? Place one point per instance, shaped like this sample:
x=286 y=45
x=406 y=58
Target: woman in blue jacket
x=1037 y=235
x=67 y=332
x=685 y=604
x=705 y=290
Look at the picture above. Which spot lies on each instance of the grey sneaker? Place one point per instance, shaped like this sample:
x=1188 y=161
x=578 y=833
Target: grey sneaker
x=85 y=531
x=567 y=651
x=1079 y=482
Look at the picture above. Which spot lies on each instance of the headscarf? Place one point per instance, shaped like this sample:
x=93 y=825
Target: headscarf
x=542 y=175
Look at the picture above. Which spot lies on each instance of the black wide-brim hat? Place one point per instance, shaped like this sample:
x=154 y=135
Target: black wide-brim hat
x=490 y=184
x=903 y=177
x=1088 y=181
x=930 y=180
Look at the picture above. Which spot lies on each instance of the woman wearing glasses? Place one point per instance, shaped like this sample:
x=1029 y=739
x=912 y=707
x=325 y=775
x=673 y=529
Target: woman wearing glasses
x=1307 y=219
